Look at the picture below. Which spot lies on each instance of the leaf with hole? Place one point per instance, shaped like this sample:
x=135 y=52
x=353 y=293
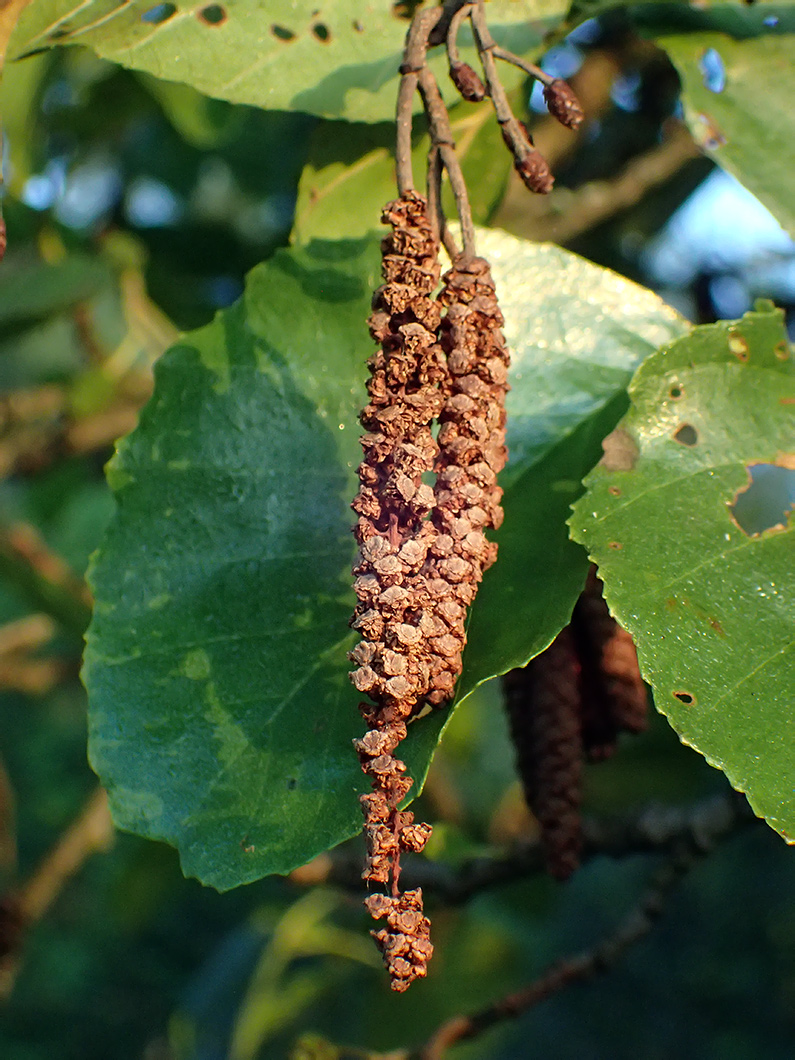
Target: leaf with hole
x=221 y=710
x=340 y=62
x=699 y=572
x=737 y=64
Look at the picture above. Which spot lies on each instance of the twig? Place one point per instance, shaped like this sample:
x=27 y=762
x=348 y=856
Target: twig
x=46 y=580
x=442 y=139
x=652 y=830
x=90 y=833
x=601 y=958
x=413 y=62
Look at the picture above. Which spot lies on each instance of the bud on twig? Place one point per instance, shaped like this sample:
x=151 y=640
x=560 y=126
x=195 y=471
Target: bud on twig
x=467 y=82
x=563 y=104
x=535 y=172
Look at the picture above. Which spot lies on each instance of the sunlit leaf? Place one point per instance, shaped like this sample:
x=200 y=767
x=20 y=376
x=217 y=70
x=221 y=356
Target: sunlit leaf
x=708 y=594
x=221 y=711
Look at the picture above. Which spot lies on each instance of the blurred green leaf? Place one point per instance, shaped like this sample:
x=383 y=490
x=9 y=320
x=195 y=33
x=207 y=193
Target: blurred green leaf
x=221 y=711
x=737 y=64
x=33 y=292
x=710 y=606
x=334 y=64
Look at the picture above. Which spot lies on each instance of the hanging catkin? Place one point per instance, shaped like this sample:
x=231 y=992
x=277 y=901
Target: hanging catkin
x=392 y=533
x=614 y=697
x=543 y=704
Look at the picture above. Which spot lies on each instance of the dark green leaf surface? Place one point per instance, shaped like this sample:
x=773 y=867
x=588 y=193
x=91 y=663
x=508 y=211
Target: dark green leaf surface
x=338 y=62
x=711 y=607
x=747 y=123
x=221 y=711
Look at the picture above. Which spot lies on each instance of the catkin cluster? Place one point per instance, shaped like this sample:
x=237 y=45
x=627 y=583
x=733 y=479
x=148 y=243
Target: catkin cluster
x=568 y=705
x=422 y=547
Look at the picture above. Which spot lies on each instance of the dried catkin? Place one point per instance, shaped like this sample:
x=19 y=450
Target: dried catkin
x=543 y=703
x=405 y=391
x=422 y=549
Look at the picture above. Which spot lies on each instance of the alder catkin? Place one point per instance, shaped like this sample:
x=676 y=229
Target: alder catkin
x=422 y=548
x=405 y=391
x=543 y=704
x=614 y=697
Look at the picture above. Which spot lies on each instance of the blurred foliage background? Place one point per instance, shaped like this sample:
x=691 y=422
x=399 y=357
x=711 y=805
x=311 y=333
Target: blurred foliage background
x=134 y=208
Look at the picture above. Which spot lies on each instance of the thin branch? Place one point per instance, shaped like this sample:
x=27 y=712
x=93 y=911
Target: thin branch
x=413 y=62
x=686 y=853
x=654 y=830
x=91 y=832
x=442 y=139
x=516 y=60
x=27 y=561
x=451 y=38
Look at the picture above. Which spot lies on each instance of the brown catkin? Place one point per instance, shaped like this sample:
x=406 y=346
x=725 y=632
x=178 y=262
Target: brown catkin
x=543 y=704
x=422 y=549
x=613 y=692
x=405 y=391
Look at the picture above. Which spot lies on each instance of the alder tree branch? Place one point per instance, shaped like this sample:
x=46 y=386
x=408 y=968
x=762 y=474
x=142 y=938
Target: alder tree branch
x=718 y=823
x=653 y=830
x=91 y=832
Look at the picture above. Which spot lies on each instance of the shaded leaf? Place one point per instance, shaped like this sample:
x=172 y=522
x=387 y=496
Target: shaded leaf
x=737 y=64
x=710 y=606
x=221 y=711
x=341 y=62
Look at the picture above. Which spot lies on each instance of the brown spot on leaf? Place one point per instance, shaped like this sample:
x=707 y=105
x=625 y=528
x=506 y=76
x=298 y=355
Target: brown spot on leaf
x=687 y=698
x=717 y=626
x=614 y=491
x=781 y=350
x=321 y=32
x=676 y=392
x=686 y=434
x=282 y=33
x=213 y=15
x=707 y=133
x=615 y=545
x=738 y=346
x=620 y=451
x=358 y=26
x=670 y=603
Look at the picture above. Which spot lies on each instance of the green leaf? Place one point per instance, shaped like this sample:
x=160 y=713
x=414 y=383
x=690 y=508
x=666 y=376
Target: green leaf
x=32 y=292
x=747 y=123
x=710 y=605
x=221 y=710
x=341 y=62
x=350 y=172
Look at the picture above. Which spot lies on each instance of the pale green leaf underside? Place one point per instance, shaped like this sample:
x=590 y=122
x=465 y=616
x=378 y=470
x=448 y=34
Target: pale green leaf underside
x=337 y=60
x=711 y=608
x=221 y=710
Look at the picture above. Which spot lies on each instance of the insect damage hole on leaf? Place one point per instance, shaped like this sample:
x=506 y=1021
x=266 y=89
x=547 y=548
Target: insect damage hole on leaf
x=687 y=698
x=282 y=33
x=213 y=15
x=767 y=500
x=321 y=32
x=686 y=434
x=159 y=13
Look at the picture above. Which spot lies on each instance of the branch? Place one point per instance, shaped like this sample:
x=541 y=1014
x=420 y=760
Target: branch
x=685 y=854
x=91 y=832
x=43 y=577
x=653 y=830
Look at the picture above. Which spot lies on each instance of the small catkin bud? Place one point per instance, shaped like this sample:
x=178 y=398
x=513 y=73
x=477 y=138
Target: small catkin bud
x=535 y=172
x=467 y=82
x=563 y=104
